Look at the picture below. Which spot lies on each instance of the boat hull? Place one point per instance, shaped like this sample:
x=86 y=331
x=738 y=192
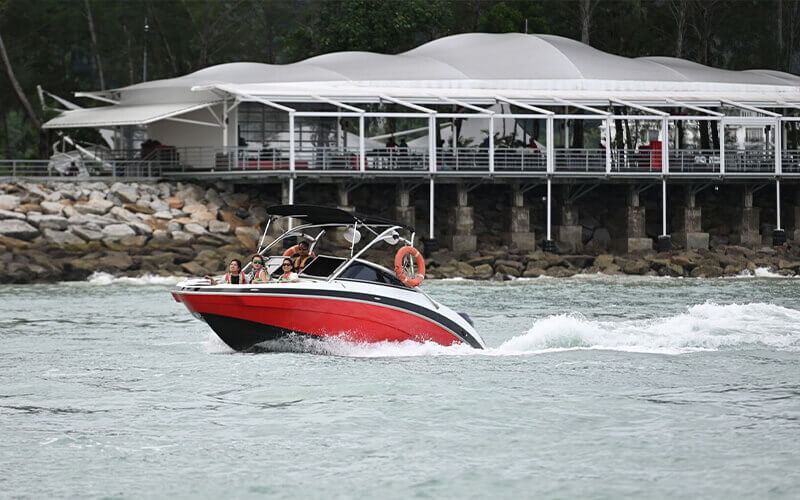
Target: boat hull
x=243 y=319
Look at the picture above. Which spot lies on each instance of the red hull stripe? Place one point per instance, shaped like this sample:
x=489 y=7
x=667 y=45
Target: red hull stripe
x=324 y=317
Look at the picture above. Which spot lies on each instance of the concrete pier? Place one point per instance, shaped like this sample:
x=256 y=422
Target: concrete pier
x=570 y=230
x=689 y=233
x=343 y=198
x=796 y=217
x=749 y=230
x=520 y=235
x=462 y=223
x=286 y=192
x=404 y=211
x=636 y=238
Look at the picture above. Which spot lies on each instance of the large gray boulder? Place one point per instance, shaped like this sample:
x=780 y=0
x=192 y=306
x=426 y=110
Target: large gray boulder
x=54 y=196
x=125 y=192
x=159 y=206
x=94 y=206
x=218 y=226
x=8 y=214
x=117 y=231
x=193 y=207
x=123 y=214
x=195 y=229
x=61 y=237
x=141 y=227
x=182 y=236
x=52 y=208
x=84 y=219
x=117 y=260
x=48 y=222
x=18 y=229
x=87 y=233
x=9 y=201
x=163 y=214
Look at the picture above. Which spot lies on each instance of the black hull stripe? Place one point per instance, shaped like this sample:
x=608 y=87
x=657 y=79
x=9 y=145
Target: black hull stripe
x=242 y=335
x=441 y=319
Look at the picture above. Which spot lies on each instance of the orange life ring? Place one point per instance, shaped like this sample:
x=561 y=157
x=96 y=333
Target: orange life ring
x=418 y=260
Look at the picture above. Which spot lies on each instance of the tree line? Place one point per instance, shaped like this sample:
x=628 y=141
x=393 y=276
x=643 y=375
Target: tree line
x=70 y=45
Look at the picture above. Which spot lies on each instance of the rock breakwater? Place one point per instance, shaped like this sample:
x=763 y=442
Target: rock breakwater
x=69 y=230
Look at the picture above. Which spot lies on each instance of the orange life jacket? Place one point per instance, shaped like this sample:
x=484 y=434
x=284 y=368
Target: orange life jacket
x=300 y=262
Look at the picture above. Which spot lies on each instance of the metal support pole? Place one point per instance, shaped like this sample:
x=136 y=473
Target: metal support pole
x=665 y=148
x=430 y=215
x=291 y=198
x=491 y=144
x=549 y=209
x=225 y=124
x=663 y=207
x=550 y=150
x=339 y=134
x=778 y=149
x=291 y=144
x=778 y=203
x=608 y=145
x=432 y=147
x=362 y=161
x=721 y=134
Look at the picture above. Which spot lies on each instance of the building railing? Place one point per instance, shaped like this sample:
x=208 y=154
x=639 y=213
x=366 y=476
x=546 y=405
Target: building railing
x=469 y=160
x=83 y=169
x=748 y=160
x=790 y=161
x=580 y=160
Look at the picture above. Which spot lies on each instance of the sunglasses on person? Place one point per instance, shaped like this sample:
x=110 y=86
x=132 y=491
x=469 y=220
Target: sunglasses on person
x=258 y=262
x=284 y=265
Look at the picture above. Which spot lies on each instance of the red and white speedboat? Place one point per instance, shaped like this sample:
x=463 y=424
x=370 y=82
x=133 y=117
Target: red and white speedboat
x=349 y=298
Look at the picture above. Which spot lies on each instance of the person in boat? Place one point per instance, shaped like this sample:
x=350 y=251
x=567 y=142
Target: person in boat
x=257 y=274
x=287 y=272
x=302 y=257
x=234 y=276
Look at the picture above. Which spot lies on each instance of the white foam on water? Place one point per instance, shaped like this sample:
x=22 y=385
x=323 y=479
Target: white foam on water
x=101 y=278
x=703 y=327
x=762 y=272
x=215 y=345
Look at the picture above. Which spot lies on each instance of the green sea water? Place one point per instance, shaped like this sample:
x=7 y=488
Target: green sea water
x=591 y=388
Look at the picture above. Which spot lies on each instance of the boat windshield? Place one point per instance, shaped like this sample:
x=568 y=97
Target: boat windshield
x=359 y=271
x=323 y=266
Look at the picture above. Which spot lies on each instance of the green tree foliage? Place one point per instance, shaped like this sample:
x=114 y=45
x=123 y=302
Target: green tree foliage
x=385 y=26
x=511 y=16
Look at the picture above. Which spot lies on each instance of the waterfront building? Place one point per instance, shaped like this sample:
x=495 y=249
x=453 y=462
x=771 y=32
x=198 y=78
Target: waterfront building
x=533 y=112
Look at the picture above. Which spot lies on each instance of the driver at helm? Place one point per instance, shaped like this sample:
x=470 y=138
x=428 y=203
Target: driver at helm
x=302 y=257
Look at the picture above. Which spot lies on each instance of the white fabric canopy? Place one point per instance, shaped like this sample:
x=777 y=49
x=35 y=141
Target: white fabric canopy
x=111 y=116
x=472 y=67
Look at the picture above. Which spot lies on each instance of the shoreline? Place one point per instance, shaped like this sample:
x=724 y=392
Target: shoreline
x=62 y=231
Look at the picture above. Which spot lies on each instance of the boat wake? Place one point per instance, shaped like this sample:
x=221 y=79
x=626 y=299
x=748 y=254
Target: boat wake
x=703 y=327
x=101 y=278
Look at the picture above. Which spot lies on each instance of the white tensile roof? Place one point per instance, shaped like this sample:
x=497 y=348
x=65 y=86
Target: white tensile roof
x=476 y=67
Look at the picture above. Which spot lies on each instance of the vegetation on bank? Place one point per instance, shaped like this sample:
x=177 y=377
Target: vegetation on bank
x=69 y=45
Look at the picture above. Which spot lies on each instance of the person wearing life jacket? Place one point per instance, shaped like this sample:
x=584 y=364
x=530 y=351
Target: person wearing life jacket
x=257 y=273
x=302 y=257
x=234 y=276
x=287 y=272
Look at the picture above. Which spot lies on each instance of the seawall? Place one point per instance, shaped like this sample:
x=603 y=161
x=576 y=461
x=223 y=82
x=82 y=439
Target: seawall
x=60 y=231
